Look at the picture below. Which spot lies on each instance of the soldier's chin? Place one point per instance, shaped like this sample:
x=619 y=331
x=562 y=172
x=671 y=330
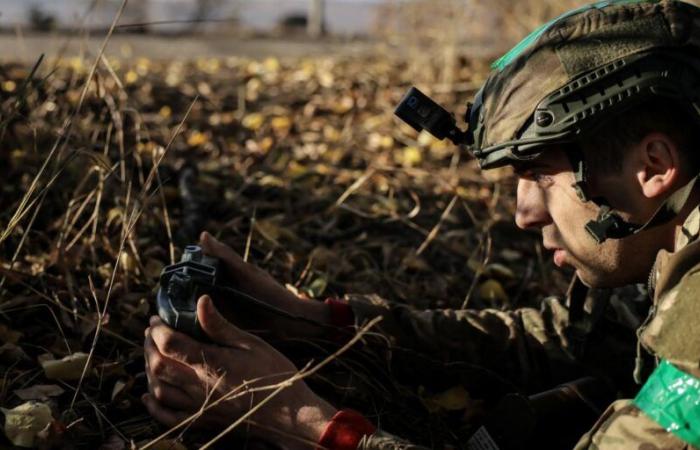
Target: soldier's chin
x=596 y=280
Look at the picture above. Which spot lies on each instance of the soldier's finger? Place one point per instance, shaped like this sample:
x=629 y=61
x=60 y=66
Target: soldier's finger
x=168 y=370
x=167 y=416
x=171 y=396
x=219 y=329
x=176 y=345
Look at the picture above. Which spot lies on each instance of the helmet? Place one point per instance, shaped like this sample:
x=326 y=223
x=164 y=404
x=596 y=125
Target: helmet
x=573 y=74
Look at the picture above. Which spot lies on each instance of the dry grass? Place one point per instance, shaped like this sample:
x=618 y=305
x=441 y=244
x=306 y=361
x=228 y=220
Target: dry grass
x=298 y=164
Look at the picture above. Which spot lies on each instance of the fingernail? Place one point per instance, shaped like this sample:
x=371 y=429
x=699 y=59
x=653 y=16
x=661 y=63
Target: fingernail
x=152 y=321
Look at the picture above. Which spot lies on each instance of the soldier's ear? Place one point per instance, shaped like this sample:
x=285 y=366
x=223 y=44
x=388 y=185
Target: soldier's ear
x=658 y=165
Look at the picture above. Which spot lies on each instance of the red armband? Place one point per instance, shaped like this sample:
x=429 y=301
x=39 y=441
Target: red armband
x=341 y=313
x=345 y=431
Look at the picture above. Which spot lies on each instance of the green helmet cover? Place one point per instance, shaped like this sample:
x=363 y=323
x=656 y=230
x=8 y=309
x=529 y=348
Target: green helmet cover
x=570 y=75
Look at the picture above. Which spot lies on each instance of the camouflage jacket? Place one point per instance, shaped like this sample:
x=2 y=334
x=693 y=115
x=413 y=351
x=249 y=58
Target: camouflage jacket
x=536 y=343
x=534 y=348
x=672 y=336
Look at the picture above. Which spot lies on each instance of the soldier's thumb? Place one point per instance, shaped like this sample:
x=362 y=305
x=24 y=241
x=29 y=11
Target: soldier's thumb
x=214 y=325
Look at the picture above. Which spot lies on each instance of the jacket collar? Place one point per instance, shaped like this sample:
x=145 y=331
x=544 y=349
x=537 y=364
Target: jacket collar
x=669 y=267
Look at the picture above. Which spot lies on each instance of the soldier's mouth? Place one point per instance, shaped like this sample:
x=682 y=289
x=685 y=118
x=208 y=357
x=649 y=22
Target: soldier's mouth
x=559 y=257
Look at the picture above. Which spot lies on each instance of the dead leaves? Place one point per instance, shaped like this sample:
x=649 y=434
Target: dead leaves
x=28 y=423
x=68 y=368
x=39 y=392
x=342 y=194
x=454 y=399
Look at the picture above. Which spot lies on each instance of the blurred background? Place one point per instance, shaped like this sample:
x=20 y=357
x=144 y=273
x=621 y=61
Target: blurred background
x=234 y=27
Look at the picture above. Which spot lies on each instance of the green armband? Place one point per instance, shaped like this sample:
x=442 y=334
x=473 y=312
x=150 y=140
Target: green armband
x=671 y=398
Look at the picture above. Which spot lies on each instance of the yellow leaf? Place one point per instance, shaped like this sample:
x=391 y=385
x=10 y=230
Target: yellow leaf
x=25 y=422
x=330 y=134
x=77 y=64
x=142 y=66
x=271 y=180
x=215 y=119
x=499 y=271
x=127 y=262
x=325 y=78
x=271 y=64
x=68 y=368
x=440 y=149
x=281 y=123
x=165 y=112
x=253 y=121
x=9 y=86
x=268 y=230
x=373 y=122
x=492 y=290
x=204 y=89
x=131 y=77
x=197 y=138
x=266 y=144
x=113 y=215
x=425 y=139
x=344 y=105
x=296 y=170
x=411 y=156
x=380 y=141
x=105 y=271
x=454 y=399
x=252 y=89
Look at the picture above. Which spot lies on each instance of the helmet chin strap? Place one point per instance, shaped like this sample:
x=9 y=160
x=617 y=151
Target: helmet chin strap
x=609 y=224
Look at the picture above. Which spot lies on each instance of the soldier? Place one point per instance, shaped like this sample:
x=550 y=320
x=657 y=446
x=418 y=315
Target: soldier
x=597 y=112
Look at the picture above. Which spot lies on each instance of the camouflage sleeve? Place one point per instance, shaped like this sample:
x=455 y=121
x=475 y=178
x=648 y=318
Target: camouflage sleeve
x=528 y=346
x=665 y=413
x=624 y=426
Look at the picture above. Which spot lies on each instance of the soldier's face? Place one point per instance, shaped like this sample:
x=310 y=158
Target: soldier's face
x=547 y=200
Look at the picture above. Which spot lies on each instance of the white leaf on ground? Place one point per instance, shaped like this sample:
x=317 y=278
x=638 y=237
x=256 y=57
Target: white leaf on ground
x=39 y=392
x=25 y=422
x=68 y=368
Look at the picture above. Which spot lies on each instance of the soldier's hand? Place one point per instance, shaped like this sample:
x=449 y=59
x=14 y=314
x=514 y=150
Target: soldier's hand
x=256 y=282
x=184 y=374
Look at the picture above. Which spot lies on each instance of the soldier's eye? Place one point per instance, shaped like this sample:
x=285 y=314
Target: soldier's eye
x=542 y=180
x=535 y=174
